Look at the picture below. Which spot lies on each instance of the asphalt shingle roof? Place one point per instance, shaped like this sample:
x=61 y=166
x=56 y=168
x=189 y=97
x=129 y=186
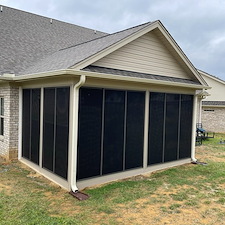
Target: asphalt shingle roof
x=215 y=103
x=136 y=74
x=68 y=57
x=26 y=38
x=31 y=44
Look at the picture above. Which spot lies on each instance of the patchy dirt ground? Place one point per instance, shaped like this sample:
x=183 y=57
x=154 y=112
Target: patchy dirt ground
x=186 y=205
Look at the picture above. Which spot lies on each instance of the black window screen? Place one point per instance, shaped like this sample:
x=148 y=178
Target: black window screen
x=49 y=128
x=56 y=130
x=35 y=125
x=134 y=129
x=156 y=128
x=171 y=129
x=113 y=131
x=26 y=123
x=186 y=126
x=31 y=124
x=90 y=131
x=62 y=131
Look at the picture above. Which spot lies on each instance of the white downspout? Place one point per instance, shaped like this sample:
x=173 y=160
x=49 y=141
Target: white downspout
x=74 y=135
x=200 y=111
x=195 y=100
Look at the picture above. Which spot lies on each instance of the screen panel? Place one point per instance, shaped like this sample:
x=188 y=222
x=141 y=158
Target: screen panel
x=186 y=126
x=171 y=129
x=90 y=131
x=35 y=125
x=113 y=131
x=49 y=128
x=26 y=124
x=156 y=128
x=134 y=129
x=62 y=131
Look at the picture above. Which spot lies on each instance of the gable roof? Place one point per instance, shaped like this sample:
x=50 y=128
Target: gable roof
x=27 y=38
x=32 y=44
x=68 y=57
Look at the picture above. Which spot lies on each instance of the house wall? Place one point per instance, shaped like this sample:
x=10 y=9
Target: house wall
x=146 y=54
x=9 y=142
x=217 y=92
x=110 y=84
x=213 y=119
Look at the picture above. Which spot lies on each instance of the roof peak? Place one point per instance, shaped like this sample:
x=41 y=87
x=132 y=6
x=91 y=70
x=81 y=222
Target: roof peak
x=115 y=33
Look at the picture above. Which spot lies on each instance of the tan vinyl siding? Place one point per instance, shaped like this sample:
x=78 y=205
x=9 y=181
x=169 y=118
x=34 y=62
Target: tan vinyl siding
x=146 y=54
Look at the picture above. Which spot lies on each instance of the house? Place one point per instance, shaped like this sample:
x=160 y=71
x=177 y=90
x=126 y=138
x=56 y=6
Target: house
x=83 y=107
x=212 y=108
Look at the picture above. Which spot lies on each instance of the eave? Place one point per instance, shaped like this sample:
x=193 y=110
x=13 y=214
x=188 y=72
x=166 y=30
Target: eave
x=75 y=73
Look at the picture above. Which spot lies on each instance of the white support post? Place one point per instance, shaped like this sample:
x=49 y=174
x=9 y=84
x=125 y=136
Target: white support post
x=200 y=111
x=41 y=127
x=195 y=102
x=146 y=125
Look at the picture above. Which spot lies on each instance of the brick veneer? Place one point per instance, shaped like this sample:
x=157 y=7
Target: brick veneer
x=213 y=119
x=9 y=142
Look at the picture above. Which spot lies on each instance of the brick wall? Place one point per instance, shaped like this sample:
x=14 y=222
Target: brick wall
x=9 y=142
x=213 y=119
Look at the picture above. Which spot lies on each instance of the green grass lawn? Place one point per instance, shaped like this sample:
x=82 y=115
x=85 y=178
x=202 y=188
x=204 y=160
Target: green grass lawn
x=188 y=194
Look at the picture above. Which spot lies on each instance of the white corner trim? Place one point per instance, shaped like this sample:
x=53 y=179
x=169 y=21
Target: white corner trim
x=194 y=120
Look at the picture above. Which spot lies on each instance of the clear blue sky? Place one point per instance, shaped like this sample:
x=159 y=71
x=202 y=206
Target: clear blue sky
x=197 y=26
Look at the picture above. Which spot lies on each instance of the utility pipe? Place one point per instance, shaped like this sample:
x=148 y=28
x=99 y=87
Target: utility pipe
x=74 y=135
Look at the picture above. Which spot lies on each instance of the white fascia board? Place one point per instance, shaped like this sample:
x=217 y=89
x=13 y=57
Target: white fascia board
x=40 y=75
x=115 y=46
x=105 y=76
x=180 y=52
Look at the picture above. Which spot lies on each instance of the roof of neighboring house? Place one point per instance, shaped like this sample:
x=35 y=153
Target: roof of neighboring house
x=213 y=103
x=211 y=76
x=26 y=38
x=135 y=74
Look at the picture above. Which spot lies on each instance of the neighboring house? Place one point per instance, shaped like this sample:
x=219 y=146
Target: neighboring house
x=83 y=107
x=212 y=113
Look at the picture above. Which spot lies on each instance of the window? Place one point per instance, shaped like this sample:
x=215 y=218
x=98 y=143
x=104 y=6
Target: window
x=31 y=124
x=1 y=116
x=56 y=130
x=111 y=131
x=170 y=127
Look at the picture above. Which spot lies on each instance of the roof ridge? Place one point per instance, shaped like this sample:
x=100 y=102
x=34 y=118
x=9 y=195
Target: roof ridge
x=107 y=35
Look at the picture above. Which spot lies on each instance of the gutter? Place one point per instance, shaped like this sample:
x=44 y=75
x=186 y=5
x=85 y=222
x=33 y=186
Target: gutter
x=74 y=136
x=73 y=72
